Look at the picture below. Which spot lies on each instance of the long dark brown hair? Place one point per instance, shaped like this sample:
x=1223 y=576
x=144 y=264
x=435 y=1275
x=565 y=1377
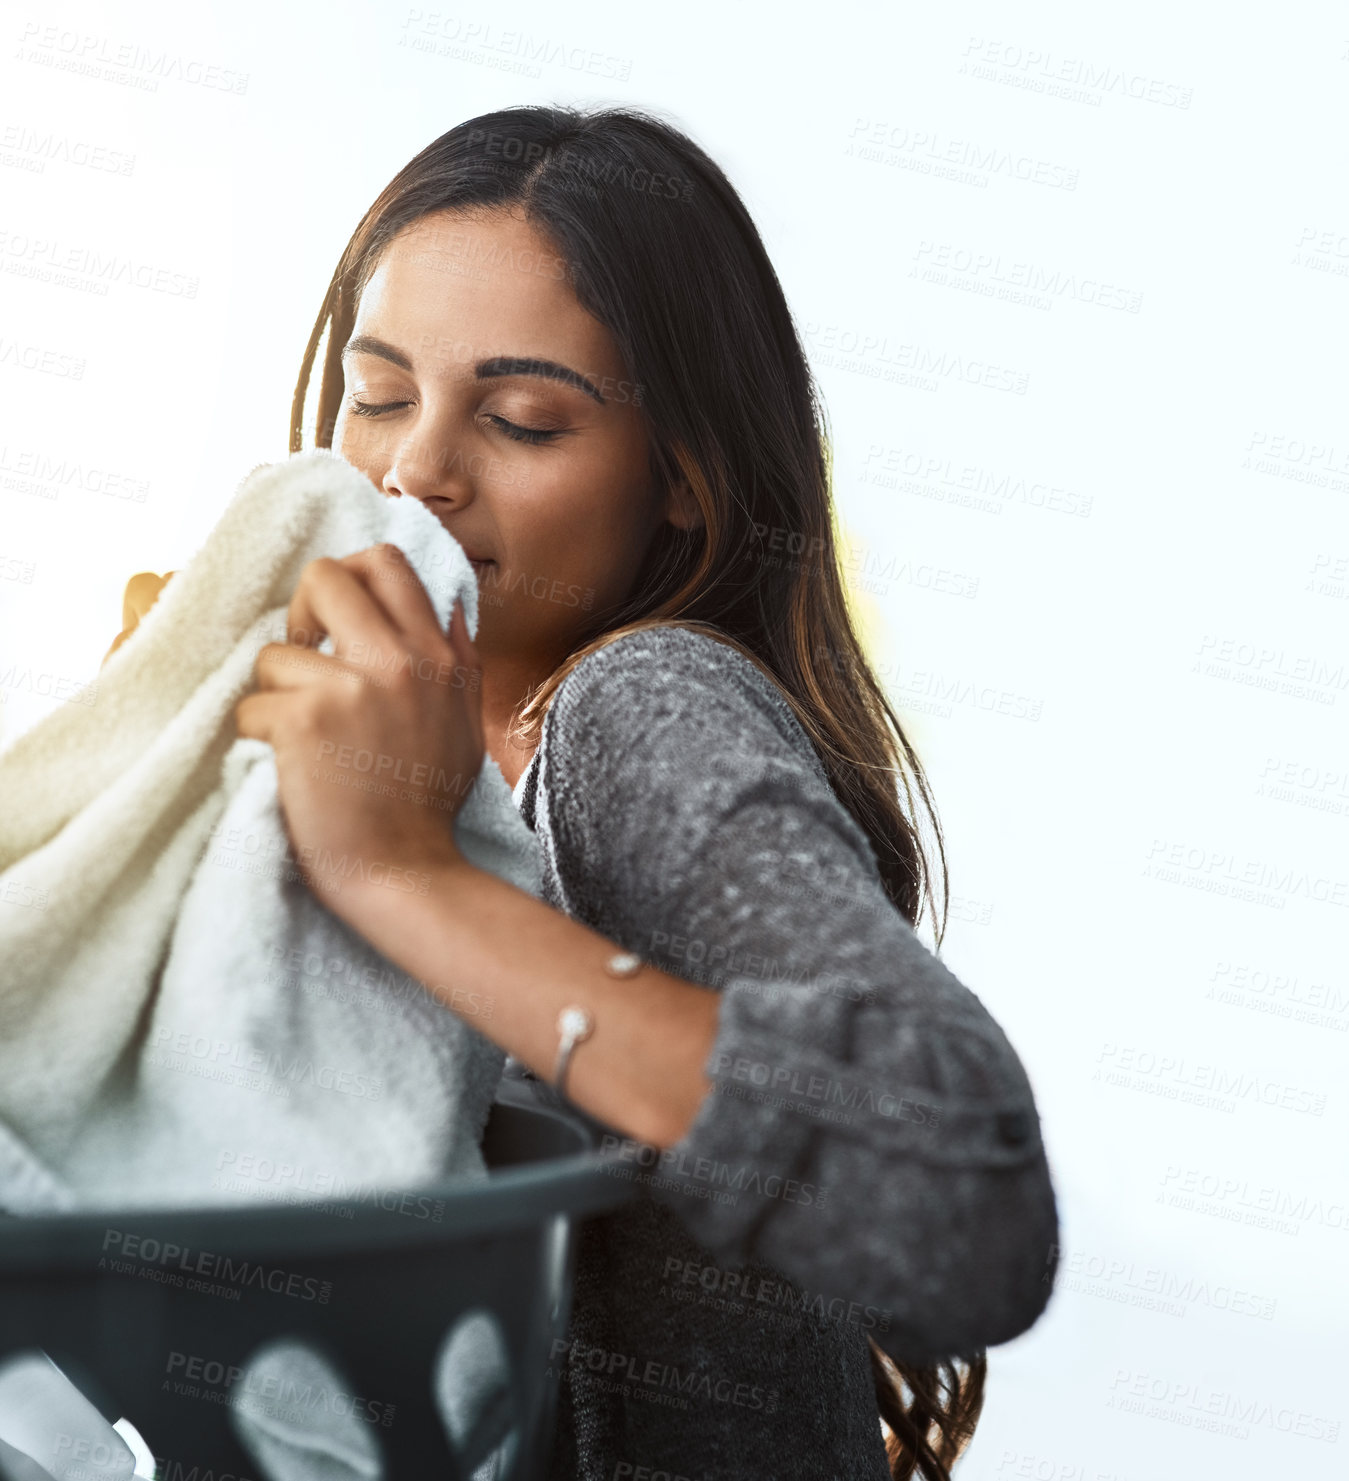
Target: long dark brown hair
x=661 y=250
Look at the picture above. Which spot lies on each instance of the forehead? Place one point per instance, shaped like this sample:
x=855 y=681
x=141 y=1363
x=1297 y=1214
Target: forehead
x=463 y=287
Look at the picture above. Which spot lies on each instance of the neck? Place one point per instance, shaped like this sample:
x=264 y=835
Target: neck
x=505 y=681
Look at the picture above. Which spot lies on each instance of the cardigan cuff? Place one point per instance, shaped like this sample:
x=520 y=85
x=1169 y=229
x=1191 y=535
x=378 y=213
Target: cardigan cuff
x=741 y=1158
x=779 y=1107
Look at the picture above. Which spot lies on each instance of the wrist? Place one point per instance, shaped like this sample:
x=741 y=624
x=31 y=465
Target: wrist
x=379 y=899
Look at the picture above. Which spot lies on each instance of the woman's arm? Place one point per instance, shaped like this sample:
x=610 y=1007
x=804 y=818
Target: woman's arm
x=872 y=1127
x=642 y=1070
x=397 y=687
x=682 y=803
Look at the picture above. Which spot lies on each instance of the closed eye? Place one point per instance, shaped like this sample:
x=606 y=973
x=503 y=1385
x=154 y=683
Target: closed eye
x=524 y=434
x=510 y=429
x=375 y=409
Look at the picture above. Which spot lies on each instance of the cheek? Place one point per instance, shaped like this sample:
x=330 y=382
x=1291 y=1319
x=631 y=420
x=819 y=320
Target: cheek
x=344 y=436
x=588 y=523
x=361 y=446
x=587 y=501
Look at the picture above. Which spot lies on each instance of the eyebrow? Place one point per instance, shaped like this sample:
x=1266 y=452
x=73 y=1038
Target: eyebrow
x=500 y=365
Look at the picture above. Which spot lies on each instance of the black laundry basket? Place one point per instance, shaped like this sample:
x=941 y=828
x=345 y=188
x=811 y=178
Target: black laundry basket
x=375 y=1293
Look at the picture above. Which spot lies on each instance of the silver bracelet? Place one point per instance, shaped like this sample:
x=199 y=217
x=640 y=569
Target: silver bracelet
x=575 y=1024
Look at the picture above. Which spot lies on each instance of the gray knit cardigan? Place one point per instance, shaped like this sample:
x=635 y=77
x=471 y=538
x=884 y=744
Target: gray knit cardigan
x=869 y=1163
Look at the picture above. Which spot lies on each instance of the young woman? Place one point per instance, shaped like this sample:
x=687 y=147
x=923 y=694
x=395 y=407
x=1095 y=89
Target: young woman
x=560 y=331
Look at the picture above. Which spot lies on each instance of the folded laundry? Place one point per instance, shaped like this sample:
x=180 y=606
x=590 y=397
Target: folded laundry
x=180 y=1016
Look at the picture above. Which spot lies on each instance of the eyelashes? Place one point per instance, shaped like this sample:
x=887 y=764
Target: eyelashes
x=517 y=433
x=523 y=434
x=374 y=409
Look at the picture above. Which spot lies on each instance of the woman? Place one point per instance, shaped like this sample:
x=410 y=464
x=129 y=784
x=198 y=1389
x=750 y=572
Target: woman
x=561 y=332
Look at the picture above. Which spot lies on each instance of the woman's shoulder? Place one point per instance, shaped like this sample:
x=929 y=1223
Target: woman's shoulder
x=665 y=643
x=666 y=675
x=653 y=743
x=664 y=717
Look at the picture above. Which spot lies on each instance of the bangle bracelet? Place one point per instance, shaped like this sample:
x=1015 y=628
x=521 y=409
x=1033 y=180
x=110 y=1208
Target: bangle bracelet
x=575 y=1024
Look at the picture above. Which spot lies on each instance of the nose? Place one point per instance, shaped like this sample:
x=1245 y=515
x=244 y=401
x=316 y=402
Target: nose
x=429 y=469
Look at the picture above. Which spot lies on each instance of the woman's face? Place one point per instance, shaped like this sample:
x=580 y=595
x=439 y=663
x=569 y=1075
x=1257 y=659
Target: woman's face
x=477 y=383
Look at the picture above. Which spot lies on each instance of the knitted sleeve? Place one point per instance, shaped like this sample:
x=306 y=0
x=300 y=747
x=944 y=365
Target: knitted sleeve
x=871 y=1132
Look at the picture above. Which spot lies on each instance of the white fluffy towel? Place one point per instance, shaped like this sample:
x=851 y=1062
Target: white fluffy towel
x=178 y=1012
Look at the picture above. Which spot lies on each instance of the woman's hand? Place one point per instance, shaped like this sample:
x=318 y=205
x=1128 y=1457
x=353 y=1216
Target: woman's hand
x=378 y=745
x=142 y=592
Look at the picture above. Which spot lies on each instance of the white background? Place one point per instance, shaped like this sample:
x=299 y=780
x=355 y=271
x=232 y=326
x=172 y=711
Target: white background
x=1110 y=601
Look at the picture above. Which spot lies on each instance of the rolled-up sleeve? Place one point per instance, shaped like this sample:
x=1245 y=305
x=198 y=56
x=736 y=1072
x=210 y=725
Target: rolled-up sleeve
x=871 y=1133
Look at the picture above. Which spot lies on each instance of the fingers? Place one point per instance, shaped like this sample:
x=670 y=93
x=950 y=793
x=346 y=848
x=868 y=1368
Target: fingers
x=116 y=644
x=142 y=592
x=255 y=716
x=370 y=598
x=289 y=666
x=391 y=581
x=373 y=606
x=332 y=600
